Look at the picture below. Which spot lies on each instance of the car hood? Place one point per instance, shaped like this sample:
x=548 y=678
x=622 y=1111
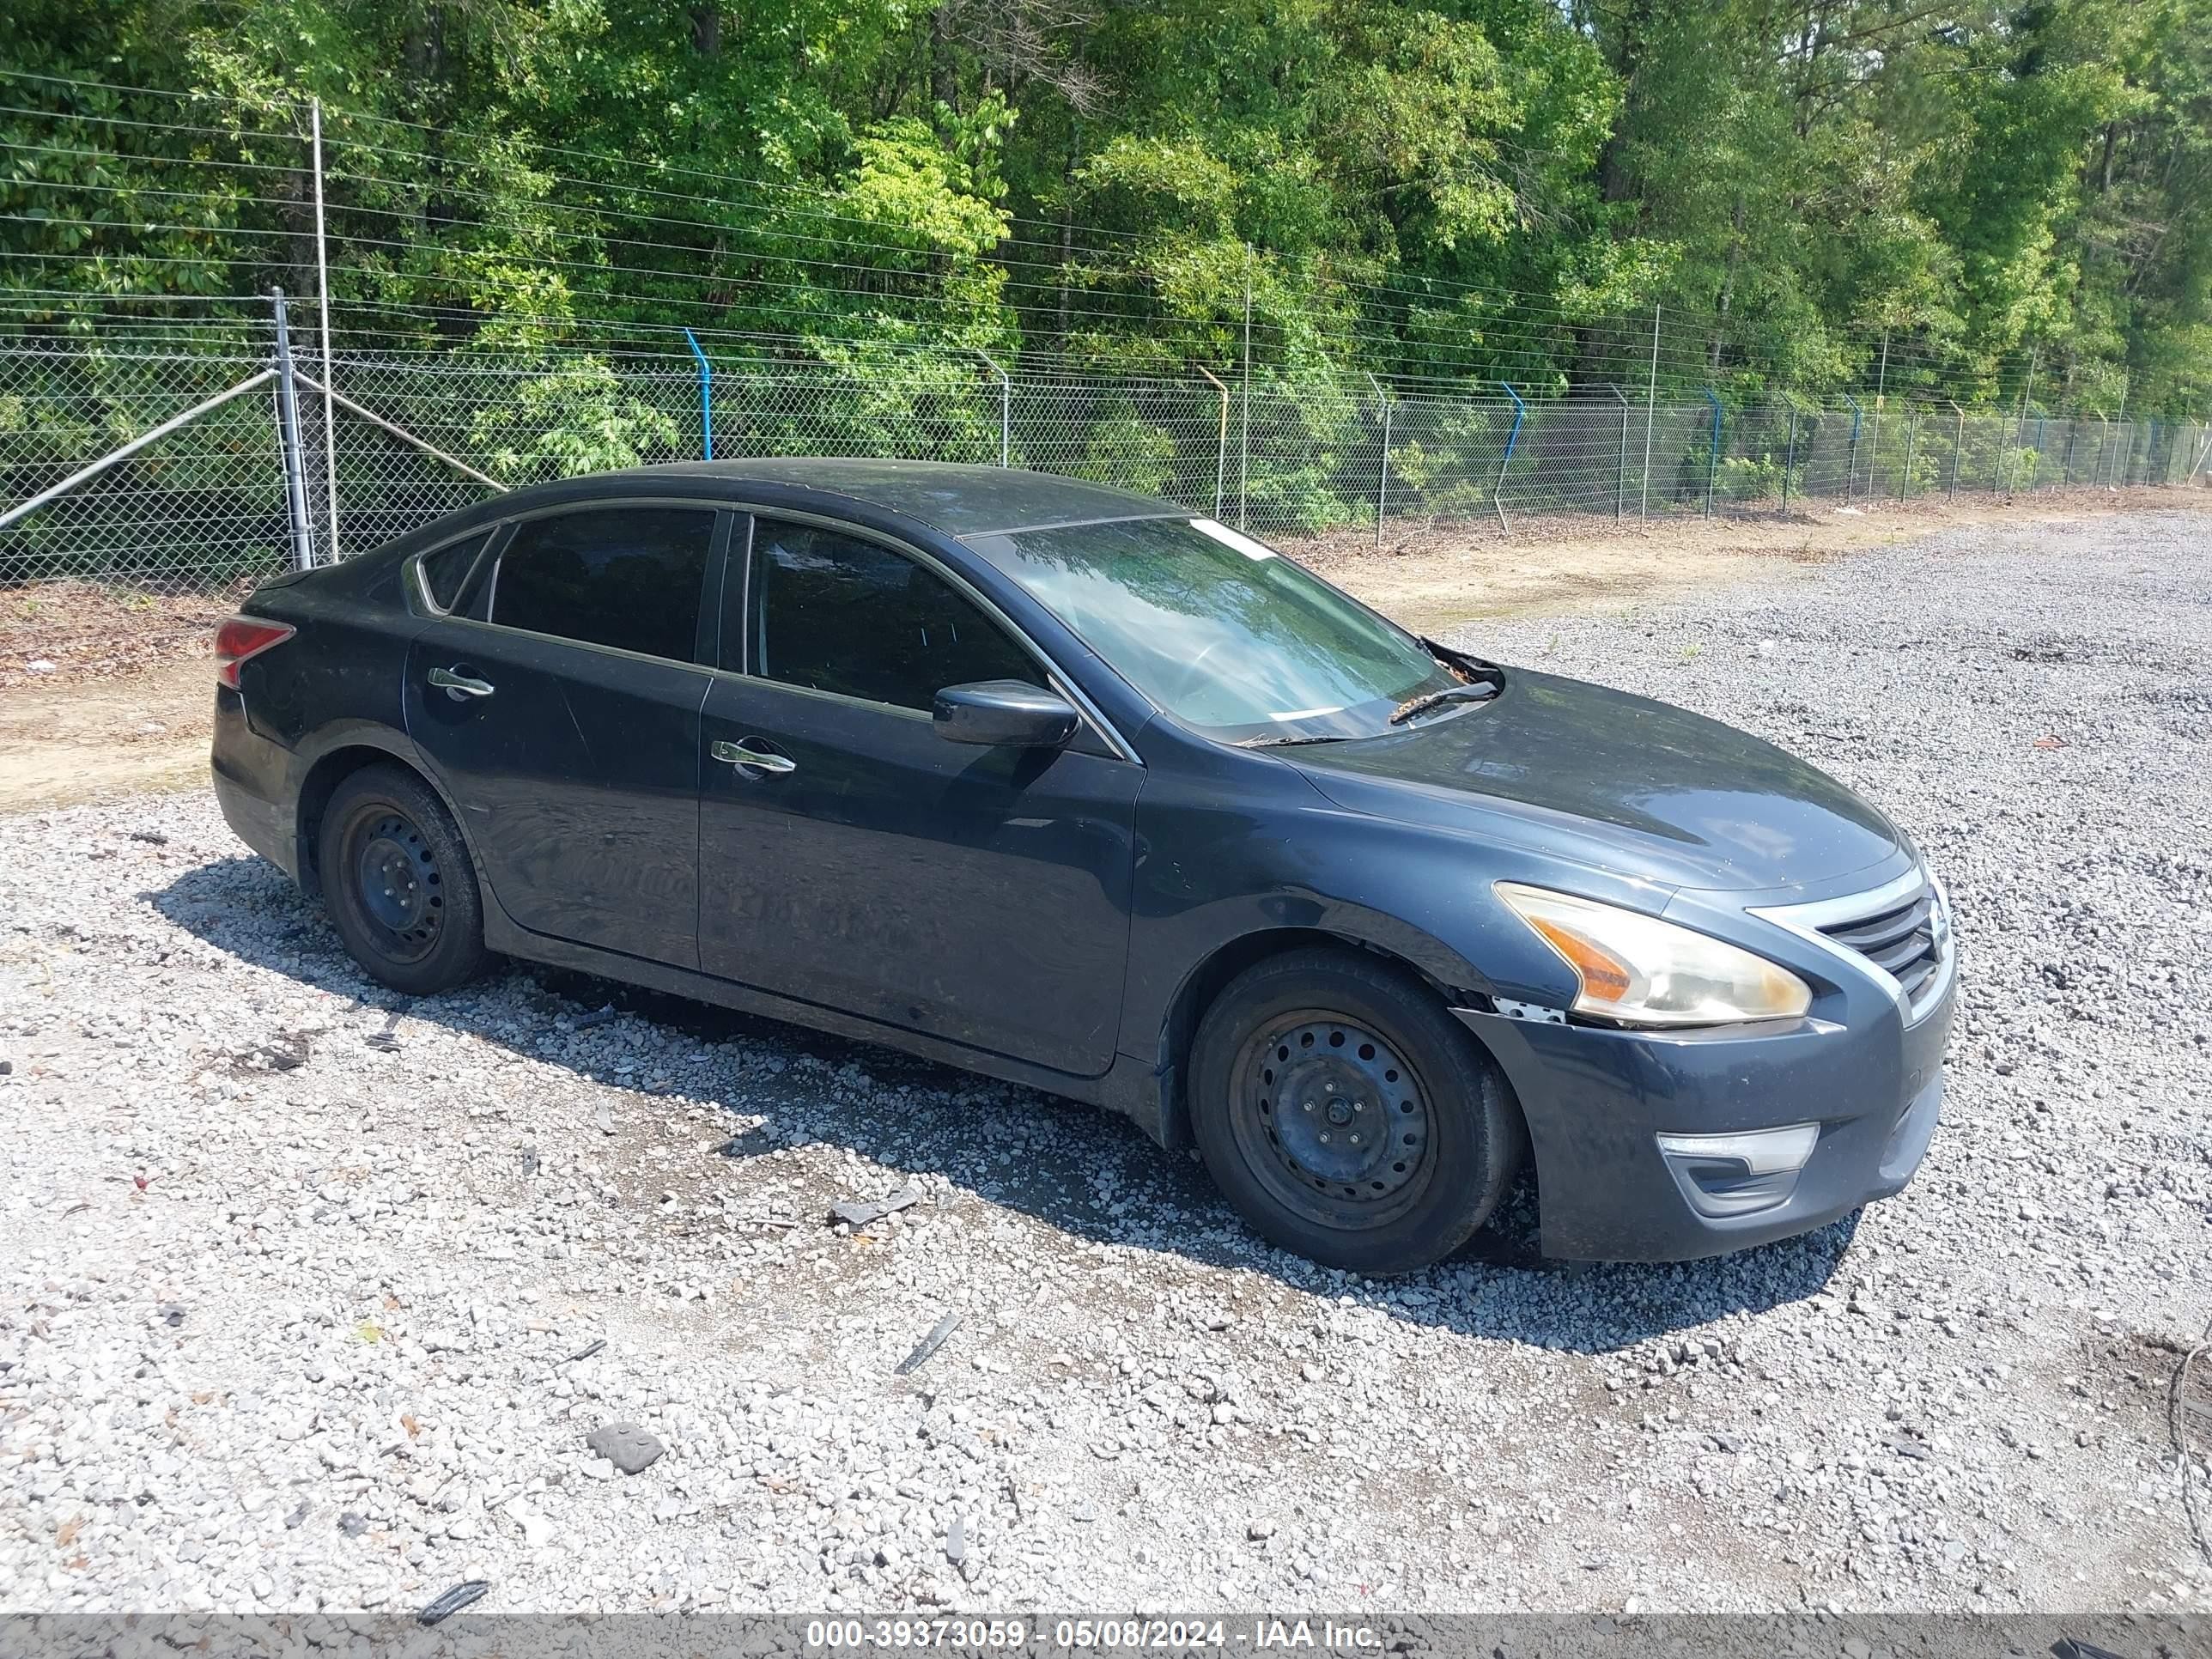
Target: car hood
x=1622 y=782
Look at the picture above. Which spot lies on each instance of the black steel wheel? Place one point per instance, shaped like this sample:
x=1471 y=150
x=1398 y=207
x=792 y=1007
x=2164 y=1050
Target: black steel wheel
x=1332 y=1117
x=1347 y=1115
x=399 y=882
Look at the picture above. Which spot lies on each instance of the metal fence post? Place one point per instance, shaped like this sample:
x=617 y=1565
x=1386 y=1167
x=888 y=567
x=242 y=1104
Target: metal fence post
x=2020 y=423
x=1712 y=451
x=1621 y=467
x=1220 y=444
x=1005 y=410
x=1852 y=460
x=323 y=318
x=1382 y=477
x=1881 y=397
x=1789 y=458
x=1911 y=433
x=1651 y=409
x=706 y=396
x=1244 y=416
x=1958 y=449
x=288 y=438
x=1513 y=437
x=2073 y=432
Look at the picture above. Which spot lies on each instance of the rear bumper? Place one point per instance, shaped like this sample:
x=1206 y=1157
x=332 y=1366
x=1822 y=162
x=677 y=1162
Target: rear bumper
x=1598 y=1102
x=252 y=785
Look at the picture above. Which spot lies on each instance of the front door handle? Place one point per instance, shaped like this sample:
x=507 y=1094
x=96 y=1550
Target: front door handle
x=759 y=760
x=460 y=685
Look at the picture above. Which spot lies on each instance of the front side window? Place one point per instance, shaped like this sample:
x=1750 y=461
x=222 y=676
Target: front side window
x=625 y=576
x=835 y=613
x=1223 y=633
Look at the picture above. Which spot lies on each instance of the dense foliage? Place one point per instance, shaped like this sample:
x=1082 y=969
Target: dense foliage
x=2003 y=203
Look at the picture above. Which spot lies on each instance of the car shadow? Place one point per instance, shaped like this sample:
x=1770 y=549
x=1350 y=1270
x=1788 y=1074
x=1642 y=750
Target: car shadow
x=1083 y=1170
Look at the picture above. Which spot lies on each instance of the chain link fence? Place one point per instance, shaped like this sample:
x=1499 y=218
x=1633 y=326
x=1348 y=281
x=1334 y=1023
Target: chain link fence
x=410 y=436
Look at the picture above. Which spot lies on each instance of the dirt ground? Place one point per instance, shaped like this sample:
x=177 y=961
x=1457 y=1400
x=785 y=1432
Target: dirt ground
x=105 y=692
x=1433 y=577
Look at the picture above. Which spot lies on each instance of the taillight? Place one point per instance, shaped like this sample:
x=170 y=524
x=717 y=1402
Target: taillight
x=241 y=640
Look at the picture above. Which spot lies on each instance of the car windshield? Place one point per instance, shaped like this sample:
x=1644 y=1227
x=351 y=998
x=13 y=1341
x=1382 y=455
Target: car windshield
x=1223 y=633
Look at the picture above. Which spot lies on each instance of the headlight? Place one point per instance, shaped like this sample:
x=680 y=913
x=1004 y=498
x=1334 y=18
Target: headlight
x=1640 y=970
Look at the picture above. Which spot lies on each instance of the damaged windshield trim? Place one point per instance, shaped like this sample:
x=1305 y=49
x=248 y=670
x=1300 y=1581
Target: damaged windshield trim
x=1474 y=692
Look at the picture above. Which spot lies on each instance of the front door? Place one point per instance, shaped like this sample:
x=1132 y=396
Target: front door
x=563 y=720
x=852 y=858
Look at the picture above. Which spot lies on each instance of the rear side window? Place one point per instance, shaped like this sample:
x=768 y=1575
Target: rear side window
x=625 y=576
x=839 y=614
x=445 y=570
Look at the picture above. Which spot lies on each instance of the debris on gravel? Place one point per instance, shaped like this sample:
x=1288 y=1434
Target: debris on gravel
x=855 y=1215
x=938 y=1334
x=625 y=1445
x=386 y=1312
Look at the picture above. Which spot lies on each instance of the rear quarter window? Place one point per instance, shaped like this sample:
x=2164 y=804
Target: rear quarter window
x=446 y=570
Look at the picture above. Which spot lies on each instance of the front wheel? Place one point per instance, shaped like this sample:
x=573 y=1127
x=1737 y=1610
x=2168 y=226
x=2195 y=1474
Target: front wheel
x=397 y=882
x=1346 y=1115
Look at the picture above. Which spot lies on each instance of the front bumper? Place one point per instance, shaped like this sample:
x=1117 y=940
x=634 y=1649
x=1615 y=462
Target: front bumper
x=1597 y=1099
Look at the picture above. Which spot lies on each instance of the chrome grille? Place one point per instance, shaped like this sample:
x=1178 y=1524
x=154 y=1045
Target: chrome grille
x=1902 y=941
x=1900 y=931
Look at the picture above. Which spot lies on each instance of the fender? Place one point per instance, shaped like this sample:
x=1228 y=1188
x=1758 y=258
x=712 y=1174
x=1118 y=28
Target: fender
x=309 y=794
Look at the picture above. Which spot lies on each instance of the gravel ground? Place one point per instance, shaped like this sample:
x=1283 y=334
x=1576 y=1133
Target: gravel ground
x=309 y=1299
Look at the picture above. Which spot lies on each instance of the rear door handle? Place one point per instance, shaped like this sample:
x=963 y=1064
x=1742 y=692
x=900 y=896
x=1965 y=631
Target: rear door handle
x=758 y=760
x=460 y=685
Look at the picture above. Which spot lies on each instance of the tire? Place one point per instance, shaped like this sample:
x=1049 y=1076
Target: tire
x=1295 y=1065
x=398 y=882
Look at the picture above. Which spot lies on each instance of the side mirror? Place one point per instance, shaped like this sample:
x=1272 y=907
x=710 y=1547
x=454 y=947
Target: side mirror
x=1003 y=714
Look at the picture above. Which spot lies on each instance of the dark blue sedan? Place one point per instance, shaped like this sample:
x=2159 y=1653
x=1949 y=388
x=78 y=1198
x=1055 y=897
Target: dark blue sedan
x=1074 y=787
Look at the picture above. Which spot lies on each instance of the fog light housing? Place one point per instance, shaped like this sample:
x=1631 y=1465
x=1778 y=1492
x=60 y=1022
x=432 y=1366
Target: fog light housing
x=1742 y=1171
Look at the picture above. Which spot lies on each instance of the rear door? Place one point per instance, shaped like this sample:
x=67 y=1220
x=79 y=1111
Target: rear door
x=563 y=717
x=852 y=858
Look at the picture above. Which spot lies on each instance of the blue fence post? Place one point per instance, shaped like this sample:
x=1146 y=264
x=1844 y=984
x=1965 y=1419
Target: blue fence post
x=706 y=395
x=1713 y=451
x=1851 y=461
x=1497 y=495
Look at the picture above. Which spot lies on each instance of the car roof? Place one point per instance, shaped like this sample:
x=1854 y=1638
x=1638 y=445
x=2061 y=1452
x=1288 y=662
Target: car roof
x=957 y=499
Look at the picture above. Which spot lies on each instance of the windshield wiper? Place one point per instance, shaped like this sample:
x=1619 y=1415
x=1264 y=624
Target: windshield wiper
x=1481 y=691
x=1286 y=740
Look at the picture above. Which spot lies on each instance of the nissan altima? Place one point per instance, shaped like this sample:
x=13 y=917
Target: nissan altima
x=1077 y=788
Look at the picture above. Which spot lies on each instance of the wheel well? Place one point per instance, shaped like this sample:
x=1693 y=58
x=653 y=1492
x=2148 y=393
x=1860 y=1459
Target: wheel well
x=1214 y=975
x=321 y=783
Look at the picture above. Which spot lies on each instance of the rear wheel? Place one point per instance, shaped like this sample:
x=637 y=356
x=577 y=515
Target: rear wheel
x=397 y=882
x=1346 y=1115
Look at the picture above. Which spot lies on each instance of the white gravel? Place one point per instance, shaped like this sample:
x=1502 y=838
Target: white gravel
x=292 y=1276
